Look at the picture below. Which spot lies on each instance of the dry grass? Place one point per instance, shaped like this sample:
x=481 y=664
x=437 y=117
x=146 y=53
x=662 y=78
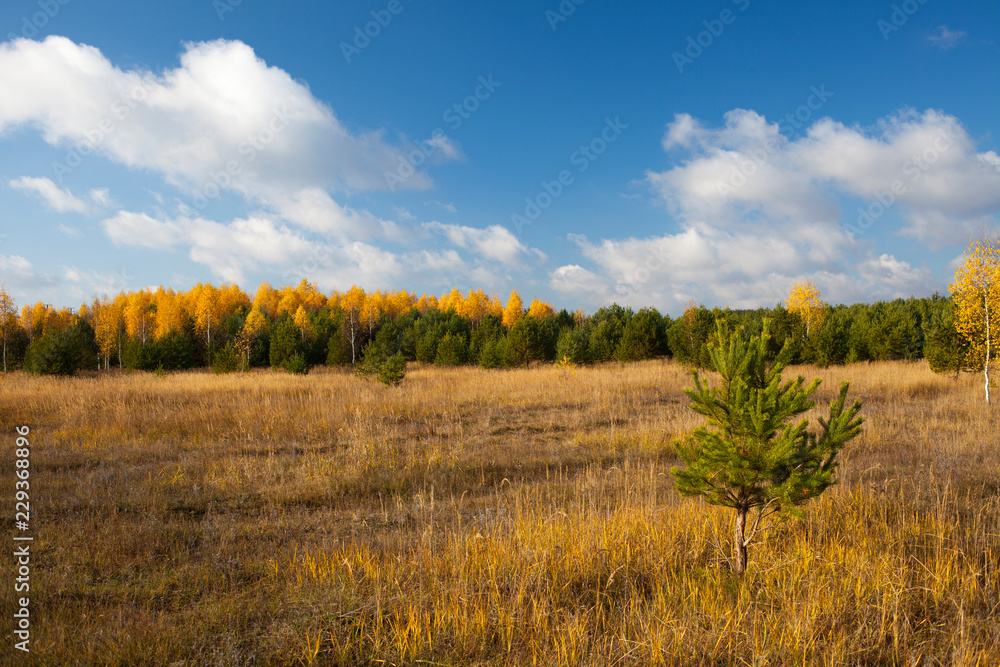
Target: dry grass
x=504 y=518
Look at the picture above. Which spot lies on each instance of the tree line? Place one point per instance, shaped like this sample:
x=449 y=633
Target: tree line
x=299 y=327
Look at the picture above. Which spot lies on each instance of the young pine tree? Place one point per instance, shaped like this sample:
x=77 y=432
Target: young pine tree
x=750 y=456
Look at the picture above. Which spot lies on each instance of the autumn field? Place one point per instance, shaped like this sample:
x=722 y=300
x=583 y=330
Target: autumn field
x=476 y=517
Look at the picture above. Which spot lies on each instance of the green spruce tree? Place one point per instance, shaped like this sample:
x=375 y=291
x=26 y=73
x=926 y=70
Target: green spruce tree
x=750 y=456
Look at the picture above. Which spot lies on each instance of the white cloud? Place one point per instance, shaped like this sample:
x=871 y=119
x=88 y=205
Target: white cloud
x=577 y=281
x=20 y=274
x=56 y=199
x=747 y=169
x=709 y=264
x=101 y=196
x=138 y=229
x=495 y=242
x=896 y=278
x=222 y=120
x=717 y=267
x=314 y=209
x=228 y=250
x=756 y=211
x=946 y=38
x=86 y=285
x=237 y=248
x=222 y=107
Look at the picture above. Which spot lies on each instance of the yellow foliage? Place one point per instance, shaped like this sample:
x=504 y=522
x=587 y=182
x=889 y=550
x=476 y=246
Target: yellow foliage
x=371 y=311
x=309 y=296
x=398 y=303
x=475 y=306
x=8 y=319
x=805 y=300
x=108 y=322
x=289 y=302
x=514 y=310
x=207 y=309
x=140 y=319
x=267 y=299
x=540 y=309
x=451 y=301
x=976 y=293
x=254 y=325
x=301 y=320
x=171 y=314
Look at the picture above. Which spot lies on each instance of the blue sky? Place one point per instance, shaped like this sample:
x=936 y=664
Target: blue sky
x=648 y=154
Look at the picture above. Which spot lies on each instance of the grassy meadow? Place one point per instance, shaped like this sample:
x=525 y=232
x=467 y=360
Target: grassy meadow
x=473 y=517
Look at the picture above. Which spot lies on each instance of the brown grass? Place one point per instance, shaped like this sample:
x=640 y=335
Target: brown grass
x=498 y=518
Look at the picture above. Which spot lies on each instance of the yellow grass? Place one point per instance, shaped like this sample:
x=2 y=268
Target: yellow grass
x=474 y=517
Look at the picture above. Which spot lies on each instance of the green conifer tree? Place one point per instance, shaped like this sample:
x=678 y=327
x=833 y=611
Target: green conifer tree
x=750 y=456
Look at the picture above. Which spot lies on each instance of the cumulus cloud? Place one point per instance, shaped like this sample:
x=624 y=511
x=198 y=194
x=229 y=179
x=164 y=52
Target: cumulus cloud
x=314 y=209
x=57 y=199
x=495 y=242
x=234 y=249
x=20 y=275
x=575 y=280
x=228 y=250
x=223 y=116
x=756 y=211
x=222 y=120
x=924 y=164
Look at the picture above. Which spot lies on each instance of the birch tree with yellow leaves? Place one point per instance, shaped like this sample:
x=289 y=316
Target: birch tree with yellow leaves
x=207 y=311
x=514 y=310
x=8 y=320
x=976 y=294
x=253 y=328
x=352 y=304
x=267 y=300
x=540 y=309
x=108 y=324
x=805 y=299
x=139 y=315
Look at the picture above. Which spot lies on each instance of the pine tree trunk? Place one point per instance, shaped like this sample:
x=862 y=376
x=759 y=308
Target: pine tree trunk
x=739 y=543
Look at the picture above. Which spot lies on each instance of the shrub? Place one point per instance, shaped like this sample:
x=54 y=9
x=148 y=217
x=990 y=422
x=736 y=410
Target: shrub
x=393 y=370
x=494 y=354
x=63 y=352
x=287 y=351
x=226 y=360
x=451 y=350
x=574 y=345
